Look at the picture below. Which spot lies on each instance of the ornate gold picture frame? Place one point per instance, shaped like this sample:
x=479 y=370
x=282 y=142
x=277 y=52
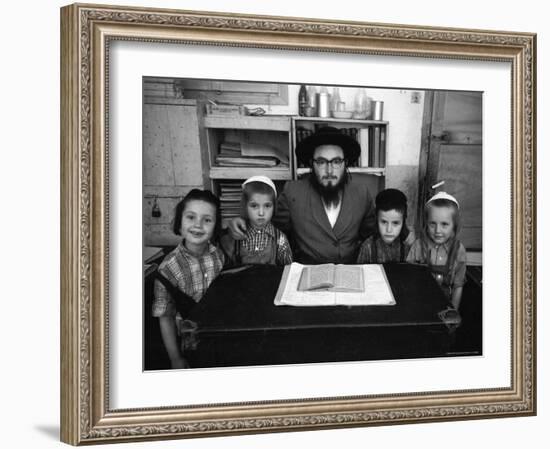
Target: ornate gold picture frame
x=87 y=32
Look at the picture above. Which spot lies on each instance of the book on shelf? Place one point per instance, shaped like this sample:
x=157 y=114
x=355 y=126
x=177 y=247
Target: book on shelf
x=229 y=161
x=376 y=148
x=242 y=154
x=374 y=289
x=382 y=146
x=230 y=148
x=230 y=186
x=230 y=214
x=332 y=277
x=230 y=199
x=227 y=199
x=263 y=150
x=364 y=143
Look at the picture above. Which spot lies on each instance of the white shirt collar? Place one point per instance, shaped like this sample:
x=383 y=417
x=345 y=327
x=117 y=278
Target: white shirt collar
x=333 y=212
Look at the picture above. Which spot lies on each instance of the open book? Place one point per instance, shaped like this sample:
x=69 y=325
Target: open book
x=336 y=278
x=374 y=287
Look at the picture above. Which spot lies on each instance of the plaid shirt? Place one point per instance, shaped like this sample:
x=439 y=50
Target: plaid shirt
x=189 y=273
x=437 y=255
x=375 y=250
x=258 y=239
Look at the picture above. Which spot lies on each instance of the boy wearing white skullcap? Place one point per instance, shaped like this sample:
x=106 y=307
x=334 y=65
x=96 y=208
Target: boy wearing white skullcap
x=264 y=243
x=439 y=248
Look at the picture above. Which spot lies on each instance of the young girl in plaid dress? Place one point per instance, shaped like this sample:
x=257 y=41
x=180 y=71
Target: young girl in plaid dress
x=439 y=247
x=186 y=273
x=264 y=243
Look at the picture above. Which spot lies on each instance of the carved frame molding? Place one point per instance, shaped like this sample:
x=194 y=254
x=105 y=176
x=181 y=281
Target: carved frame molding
x=87 y=31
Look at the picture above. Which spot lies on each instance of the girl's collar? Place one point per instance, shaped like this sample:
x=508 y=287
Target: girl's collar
x=447 y=245
x=207 y=249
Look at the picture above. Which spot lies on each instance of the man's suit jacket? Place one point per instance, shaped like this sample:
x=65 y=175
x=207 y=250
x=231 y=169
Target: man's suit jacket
x=301 y=215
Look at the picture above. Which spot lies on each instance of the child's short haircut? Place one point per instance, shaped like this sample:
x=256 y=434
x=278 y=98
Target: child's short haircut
x=250 y=188
x=197 y=195
x=441 y=202
x=393 y=199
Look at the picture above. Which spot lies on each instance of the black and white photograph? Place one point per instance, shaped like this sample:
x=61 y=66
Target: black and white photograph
x=306 y=223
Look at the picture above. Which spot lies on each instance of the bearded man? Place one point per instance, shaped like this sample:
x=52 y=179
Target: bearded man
x=328 y=213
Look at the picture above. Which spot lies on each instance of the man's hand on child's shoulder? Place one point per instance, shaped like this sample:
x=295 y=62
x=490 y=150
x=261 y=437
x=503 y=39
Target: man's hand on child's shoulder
x=237 y=228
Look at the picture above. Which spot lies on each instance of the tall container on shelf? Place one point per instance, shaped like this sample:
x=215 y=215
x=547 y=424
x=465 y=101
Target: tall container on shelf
x=302 y=100
x=335 y=100
x=362 y=105
x=323 y=104
x=378 y=110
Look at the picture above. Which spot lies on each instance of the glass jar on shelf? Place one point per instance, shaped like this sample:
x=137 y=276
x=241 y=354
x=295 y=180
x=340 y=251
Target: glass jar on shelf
x=362 y=105
x=335 y=100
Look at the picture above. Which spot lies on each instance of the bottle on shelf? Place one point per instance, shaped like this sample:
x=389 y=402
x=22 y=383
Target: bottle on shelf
x=302 y=100
x=323 y=104
x=362 y=105
x=335 y=99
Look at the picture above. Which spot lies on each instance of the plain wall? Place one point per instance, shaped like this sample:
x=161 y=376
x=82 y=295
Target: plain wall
x=30 y=225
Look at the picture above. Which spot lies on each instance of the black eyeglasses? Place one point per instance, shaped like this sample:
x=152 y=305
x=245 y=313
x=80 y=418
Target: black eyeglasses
x=321 y=162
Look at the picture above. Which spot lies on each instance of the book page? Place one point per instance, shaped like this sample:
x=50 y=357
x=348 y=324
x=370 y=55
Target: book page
x=348 y=277
x=288 y=293
x=317 y=277
x=377 y=290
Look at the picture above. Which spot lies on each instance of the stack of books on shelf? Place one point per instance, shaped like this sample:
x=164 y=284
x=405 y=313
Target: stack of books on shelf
x=373 y=146
x=230 y=199
x=241 y=154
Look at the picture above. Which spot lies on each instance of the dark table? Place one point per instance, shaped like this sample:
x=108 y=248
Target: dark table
x=238 y=324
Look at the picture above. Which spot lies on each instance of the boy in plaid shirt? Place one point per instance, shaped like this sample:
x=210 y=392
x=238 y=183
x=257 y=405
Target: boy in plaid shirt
x=264 y=243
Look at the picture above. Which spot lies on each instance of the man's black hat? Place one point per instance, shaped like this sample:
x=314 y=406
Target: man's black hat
x=327 y=135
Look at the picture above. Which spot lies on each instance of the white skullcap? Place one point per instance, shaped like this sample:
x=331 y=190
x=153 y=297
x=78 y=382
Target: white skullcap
x=444 y=196
x=261 y=178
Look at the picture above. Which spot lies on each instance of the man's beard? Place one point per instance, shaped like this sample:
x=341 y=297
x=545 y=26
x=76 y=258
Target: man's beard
x=330 y=193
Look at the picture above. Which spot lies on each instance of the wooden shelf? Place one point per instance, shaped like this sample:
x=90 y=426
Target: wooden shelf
x=340 y=120
x=266 y=122
x=376 y=171
x=275 y=173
